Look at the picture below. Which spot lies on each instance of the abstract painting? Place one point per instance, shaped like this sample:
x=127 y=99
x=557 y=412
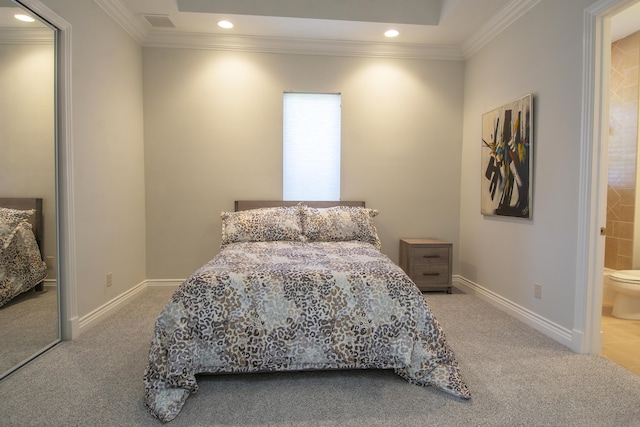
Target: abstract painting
x=507 y=159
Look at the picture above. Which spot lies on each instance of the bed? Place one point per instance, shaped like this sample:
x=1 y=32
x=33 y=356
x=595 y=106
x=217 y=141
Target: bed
x=296 y=286
x=21 y=241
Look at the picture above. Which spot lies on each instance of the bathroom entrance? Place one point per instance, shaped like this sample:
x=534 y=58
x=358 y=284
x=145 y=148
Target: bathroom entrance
x=621 y=337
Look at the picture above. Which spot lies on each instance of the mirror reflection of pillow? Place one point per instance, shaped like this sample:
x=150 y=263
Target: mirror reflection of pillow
x=9 y=221
x=14 y=216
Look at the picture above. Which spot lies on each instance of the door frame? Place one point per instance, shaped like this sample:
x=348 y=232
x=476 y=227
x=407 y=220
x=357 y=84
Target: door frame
x=593 y=173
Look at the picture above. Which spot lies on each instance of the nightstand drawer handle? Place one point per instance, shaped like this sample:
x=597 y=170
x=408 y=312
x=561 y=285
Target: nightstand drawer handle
x=430 y=274
x=431 y=256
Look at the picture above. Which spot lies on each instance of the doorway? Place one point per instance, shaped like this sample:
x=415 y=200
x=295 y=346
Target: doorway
x=621 y=337
x=593 y=173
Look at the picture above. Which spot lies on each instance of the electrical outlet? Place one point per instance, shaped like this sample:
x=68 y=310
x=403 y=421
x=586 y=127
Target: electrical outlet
x=537 y=290
x=109 y=279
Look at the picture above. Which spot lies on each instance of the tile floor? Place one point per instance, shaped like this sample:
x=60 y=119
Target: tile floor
x=621 y=340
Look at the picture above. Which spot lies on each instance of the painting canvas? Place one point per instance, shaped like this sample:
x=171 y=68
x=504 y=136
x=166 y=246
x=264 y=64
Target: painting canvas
x=507 y=156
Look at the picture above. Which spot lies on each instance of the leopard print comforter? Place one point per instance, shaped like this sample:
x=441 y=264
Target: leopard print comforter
x=21 y=265
x=278 y=306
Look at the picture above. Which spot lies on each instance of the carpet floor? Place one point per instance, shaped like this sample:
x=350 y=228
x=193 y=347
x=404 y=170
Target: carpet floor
x=517 y=377
x=28 y=323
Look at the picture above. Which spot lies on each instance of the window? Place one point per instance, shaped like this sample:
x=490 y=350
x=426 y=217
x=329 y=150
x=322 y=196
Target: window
x=311 y=146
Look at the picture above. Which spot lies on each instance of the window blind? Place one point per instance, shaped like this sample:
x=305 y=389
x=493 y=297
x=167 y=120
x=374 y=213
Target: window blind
x=311 y=146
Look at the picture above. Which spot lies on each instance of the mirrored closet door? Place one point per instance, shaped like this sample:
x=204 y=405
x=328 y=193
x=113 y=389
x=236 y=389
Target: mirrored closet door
x=29 y=320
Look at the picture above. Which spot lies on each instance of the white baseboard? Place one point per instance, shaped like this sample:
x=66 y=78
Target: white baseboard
x=50 y=283
x=101 y=312
x=164 y=283
x=85 y=322
x=541 y=324
x=560 y=334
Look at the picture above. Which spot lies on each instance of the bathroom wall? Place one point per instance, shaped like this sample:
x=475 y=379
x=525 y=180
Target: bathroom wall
x=623 y=135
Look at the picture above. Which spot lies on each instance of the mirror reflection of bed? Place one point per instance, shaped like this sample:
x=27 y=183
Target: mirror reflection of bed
x=29 y=321
x=28 y=309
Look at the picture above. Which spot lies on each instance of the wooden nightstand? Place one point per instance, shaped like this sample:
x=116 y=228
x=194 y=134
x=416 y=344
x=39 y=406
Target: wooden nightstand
x=428 y=263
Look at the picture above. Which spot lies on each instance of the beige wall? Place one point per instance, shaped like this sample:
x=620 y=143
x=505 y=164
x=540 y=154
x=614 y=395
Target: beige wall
x=213 y=134
x=27 y=129
x=108 y=155
x=507 y=256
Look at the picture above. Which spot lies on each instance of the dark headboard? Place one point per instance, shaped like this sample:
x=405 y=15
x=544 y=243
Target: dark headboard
x=243 y=205
x=37 y=221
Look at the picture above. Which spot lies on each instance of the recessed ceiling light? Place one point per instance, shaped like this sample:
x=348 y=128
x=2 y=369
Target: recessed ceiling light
x=24 y=18
x=225 y=24
x=391 y=33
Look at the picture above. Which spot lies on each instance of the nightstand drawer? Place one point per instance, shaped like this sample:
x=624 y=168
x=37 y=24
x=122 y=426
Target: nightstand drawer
x=427 y=255
x=430 y=274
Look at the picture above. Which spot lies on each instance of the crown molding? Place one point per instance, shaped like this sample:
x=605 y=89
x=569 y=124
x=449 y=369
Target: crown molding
x=171 y=39
x=149 y=37
x=44 y=36
x=125 y=19
x=505 y=17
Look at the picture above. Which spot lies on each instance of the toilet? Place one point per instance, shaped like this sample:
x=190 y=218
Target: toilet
x=626 y=285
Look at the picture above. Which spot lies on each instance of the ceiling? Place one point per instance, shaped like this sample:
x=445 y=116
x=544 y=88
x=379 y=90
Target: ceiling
x=419 y=21
x=445 y=29
x=427 y=27
x=7 y=11
x=626 y=22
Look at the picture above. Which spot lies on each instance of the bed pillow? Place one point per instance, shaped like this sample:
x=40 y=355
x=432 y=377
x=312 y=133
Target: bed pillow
x=340 y=224
x=15 y=216
x=9 y=221
x=262 y=225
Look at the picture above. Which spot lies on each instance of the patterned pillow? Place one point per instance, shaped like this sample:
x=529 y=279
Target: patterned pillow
x=15 y=216
x=262 y=225
x=339 y=224
x=9 y=220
